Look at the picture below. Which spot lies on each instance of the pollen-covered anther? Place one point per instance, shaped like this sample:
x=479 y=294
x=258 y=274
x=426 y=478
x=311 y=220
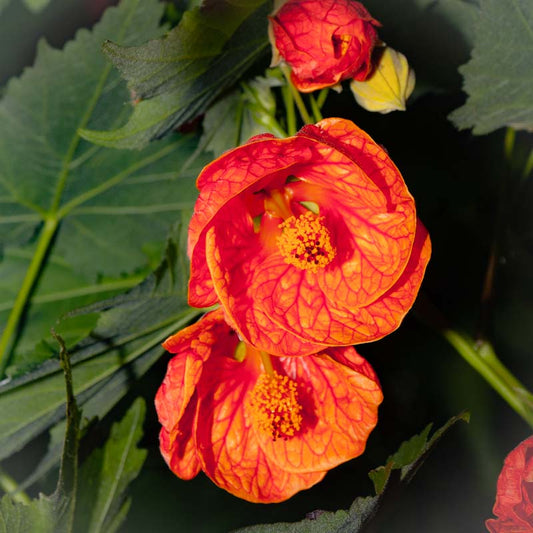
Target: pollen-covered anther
x=305 y=242
x=275 y=407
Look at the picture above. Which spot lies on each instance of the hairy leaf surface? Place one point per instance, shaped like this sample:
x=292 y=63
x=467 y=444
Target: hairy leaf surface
x=176 y=78
x=86 y=219
x=499 y=77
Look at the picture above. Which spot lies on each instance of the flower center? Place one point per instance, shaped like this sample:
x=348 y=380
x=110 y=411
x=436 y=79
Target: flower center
x=305 y=242
x=275 y=407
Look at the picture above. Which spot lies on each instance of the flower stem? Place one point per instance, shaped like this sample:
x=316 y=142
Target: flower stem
x=317 y=115
x=288 y=101
x=528 y=167
x=322 y=95
x=297 y=96
x=45 y=238
x=483 y=359
x=9 y=486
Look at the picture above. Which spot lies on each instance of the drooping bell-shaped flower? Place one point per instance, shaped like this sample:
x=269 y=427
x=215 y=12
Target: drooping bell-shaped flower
x=308 y=241
x=261 y=427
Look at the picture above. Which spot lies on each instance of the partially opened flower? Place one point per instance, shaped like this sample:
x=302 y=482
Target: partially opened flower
x=308 y=241
x=514 y=493
x=323 y=41
x=261 y=427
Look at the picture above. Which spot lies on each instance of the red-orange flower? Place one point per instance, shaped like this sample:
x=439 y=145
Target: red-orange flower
x=514 y=493
x=308 y=241
x=324 y=41
x=261 y=427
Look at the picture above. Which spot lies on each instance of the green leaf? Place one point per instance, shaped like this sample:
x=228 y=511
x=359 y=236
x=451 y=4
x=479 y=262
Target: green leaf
x=101 y=504
x=121 y=348
x=36 y=5
x=74 y=216
x=176 y=78
x=434 y=35
x=499 y=77
x=408 y=458
x=241 y=114
x=55 y=513
x=16 y=517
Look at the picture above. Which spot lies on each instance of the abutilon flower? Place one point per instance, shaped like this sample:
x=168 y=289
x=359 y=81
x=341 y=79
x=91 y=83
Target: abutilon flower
x=261 y=427
x=514 y=493
x=308 y=241
x=323 y=41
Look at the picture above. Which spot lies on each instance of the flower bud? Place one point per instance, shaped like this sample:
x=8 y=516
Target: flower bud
x=389 y=86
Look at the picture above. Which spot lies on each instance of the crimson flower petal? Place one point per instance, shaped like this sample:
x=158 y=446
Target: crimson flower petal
x=514 y=493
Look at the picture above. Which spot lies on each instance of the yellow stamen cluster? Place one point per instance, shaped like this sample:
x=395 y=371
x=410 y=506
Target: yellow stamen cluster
x=274 y=406
x=305 y=242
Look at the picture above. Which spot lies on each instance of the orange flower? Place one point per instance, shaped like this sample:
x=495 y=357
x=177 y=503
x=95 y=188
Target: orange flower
x=514 y=494
x=324 y=41
x=308 y=241
x=261 y=427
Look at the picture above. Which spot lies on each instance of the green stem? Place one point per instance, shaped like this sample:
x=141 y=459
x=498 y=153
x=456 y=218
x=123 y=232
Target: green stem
x=317 y=115
x=45 y=238
x=322 y=95
x=297 y=97
x=9 y=486
x=483 y=359
x=288 y=101
x=528 y=167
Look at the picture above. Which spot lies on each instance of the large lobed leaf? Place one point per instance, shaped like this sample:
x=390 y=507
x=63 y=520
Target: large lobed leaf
x=101 y=502
x=177 y=77
x=55 y=513
x=120 y=349
x=499 y=77
x=110 y=207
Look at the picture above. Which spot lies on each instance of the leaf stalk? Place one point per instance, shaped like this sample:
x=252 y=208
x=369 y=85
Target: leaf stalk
x=6 y=340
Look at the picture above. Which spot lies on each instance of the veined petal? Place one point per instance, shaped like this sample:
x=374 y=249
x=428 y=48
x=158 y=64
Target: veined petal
x=233 y=269
x=340 y=410
x=327 y=272
x=178 y=445
x=261 y=158
x=193 y=345
x=262 y=427
x=231 y=455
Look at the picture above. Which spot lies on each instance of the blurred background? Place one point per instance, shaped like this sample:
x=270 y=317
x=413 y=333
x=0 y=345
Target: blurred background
x=460 y=182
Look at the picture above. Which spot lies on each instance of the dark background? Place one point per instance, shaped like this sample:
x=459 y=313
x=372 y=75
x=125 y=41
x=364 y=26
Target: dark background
x=459 y=181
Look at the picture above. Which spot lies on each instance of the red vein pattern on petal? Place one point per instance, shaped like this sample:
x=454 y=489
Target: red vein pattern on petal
x=229 y=450
x=324 y=41
x=261 y=158
x=339 y=409
x=178 y=445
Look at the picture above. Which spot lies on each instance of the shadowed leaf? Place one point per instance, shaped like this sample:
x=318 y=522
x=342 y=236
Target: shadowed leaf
x=499 y=77
x=177 y=77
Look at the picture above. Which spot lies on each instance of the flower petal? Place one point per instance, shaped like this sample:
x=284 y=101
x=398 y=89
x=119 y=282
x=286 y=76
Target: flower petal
x=339 y=408
x=229 y=450
x=324 y=41
x=178 y=446
x=226 y=177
